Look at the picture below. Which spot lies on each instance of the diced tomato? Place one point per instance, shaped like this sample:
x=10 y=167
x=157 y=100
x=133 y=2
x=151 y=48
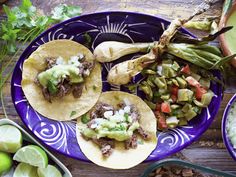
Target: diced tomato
x=165 y=107
x=174 y=98
x=186 y=69
x=158 y=107
x=161 y=120
x=193 y=82
x=174 y=90
x=199 y=92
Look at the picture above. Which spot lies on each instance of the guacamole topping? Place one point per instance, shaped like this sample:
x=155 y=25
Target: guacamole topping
x=108 y=124
x=62 y=77
x=59 y=72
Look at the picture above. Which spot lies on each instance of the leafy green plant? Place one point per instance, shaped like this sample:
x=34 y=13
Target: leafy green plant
x=23 y=24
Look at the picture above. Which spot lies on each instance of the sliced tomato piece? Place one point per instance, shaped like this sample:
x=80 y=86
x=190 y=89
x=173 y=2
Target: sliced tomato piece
x=193 y=82
x=161 y=120
x=199 y=92
x=174 y=90
x=165 y=107
x=158 y=107
x=186 y=69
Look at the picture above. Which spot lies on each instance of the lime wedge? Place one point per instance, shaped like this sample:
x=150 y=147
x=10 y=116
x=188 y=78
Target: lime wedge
x=25 y=170
x=33 y=155
x=5 y=162
x=10 y=139
x=50 y=170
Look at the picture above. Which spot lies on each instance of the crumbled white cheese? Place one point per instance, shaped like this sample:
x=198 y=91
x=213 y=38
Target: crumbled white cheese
x=127 y=109
x=159 y=70
x=93 y=126
x=80 y=55
x=117 y=118
x=99 y=120
x=86 y=72
x=60 y=61
x=74 y=60
x=121 y=112
x=108 y=114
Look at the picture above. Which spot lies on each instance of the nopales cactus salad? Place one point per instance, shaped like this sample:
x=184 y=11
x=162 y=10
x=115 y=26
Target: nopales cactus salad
x=176 y=91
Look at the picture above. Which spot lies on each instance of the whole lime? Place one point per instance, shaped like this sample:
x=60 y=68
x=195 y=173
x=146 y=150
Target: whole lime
x=5 y=162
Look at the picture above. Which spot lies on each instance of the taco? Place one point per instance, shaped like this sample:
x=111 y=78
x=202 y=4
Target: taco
x=61 y=80
x=119 y=132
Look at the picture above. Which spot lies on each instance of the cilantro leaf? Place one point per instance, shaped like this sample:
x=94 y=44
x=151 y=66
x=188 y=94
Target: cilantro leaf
x=26 y=5
x=85 y=118
x=88 y=40
x=72 y=113
x=10 y=14
x=51 y=87
x=63 y=12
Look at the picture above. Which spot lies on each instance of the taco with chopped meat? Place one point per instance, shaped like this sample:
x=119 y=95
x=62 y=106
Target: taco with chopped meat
x=61 y=80
x=119 y=132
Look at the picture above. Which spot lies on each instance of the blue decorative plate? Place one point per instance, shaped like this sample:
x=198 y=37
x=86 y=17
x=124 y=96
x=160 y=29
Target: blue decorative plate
x=119 y=26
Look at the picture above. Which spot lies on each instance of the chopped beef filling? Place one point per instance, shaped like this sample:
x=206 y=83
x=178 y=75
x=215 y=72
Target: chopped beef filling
x=99 y=110
x=77 y=90
x=106 y=145
x=46 y=94
x=131 y=143
x=51 y=61
x=65 y=87
x=143 y=133
x=106 y=150
x=135 y=114
x=90 y=123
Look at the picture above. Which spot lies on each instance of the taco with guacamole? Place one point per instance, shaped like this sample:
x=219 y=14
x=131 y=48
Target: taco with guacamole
x=61 y=80
x=119 y=132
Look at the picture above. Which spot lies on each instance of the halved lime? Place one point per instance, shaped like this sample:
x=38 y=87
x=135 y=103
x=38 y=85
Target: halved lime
x=5 y=162
x=25 y=170
x=50 y=170
x=33 y=155
x=10 y=139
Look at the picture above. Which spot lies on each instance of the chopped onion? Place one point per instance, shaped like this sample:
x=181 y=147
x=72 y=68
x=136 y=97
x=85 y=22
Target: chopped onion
x=108 y=114
x=60 y=61
x=127 y=109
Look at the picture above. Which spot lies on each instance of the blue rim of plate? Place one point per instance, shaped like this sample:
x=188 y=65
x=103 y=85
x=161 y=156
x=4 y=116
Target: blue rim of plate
x=60 y=136
x=226 y=139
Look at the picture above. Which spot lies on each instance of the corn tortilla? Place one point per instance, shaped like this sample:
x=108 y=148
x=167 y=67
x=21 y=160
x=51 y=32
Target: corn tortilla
x=67 y=107
x=120 y=157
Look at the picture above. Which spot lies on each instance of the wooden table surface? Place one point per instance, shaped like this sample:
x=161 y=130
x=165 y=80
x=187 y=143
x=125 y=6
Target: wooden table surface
x=209 y=150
